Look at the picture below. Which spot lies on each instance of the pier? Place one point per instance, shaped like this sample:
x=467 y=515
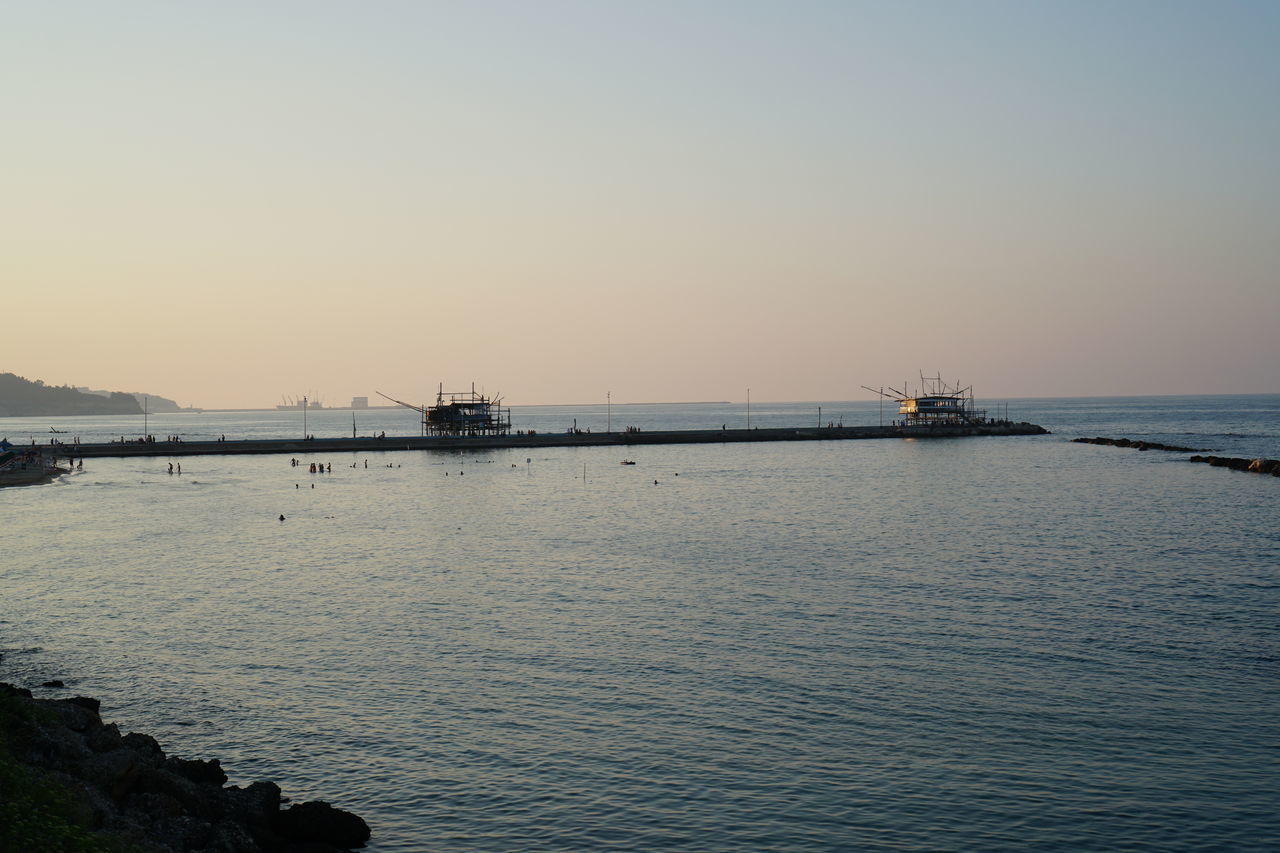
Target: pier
x=366 y=444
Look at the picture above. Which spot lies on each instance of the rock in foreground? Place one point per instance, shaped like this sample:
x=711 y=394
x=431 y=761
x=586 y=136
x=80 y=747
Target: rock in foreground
x=127 y=789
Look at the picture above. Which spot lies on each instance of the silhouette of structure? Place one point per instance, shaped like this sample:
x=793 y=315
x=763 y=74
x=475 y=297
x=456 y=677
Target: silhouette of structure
x=462 y=413
x=935 y=403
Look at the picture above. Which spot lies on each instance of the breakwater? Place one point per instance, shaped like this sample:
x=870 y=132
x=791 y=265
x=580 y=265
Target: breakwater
x=1137 y=445
x=1254 y=466
x=1269 y=467
x=529 y=440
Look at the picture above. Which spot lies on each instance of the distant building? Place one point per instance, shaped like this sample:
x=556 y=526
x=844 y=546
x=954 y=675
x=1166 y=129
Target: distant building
x=359 y=402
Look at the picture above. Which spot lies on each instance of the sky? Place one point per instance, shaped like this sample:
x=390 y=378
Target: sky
x=228 y=203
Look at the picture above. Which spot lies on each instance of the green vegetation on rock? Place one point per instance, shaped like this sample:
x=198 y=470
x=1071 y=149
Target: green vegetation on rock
x=23 y=398
x=37 y=813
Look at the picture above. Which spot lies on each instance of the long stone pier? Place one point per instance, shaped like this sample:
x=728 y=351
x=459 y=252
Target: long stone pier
x=365 y=444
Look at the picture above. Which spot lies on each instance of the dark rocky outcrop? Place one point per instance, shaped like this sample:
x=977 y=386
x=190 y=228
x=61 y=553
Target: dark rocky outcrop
x=1256 y=466
x=319 y=821
x=1137 y=445
x=1265 y=466
x=126 y=788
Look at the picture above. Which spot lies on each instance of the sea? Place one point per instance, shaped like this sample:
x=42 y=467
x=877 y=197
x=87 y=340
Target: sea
x=962 y=644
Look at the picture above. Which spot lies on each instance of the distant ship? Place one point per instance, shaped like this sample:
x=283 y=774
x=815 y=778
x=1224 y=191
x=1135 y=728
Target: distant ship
x=291 y=404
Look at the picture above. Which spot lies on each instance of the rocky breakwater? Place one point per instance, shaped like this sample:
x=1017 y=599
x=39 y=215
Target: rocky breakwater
x=1256 y=466
x=126 y=793
x=1137 y=445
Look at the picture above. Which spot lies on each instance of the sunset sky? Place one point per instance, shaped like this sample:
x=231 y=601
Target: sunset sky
x=224 y=203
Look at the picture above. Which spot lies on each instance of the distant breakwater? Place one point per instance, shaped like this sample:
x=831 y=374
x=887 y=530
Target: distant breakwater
x=528 y=440
x=125 y=788
x=1138 y=445
x=1256 y=466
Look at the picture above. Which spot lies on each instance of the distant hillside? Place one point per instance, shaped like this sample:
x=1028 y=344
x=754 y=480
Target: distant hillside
x=23 y=398
x=156 y=403
x=153 y=402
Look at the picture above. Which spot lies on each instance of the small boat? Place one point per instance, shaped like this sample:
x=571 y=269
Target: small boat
x=51 y=429
x=628 y=462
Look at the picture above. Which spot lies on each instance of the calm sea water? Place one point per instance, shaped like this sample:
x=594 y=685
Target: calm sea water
x=965 y=644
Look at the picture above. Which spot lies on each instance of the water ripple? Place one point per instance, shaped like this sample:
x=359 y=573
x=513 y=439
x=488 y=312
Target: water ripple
x=988 y=645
